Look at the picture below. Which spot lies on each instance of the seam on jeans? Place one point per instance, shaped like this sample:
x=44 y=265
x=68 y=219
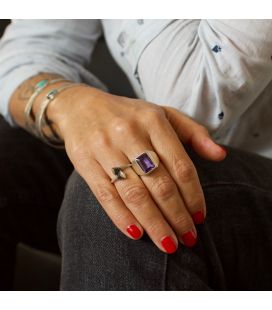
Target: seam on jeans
x=222 y=184
x=165 y=272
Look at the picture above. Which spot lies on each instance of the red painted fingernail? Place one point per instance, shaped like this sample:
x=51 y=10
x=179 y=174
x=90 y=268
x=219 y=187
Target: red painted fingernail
x=169 y=245
x=224 y=149
x=134 y=231
x=189 y=238
x=198 y=217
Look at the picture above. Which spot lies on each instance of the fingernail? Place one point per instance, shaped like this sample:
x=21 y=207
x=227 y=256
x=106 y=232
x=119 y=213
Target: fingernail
x=189 y=238
x=198 y=217
x=134 y=231
x=169 y=245
x=224 y=149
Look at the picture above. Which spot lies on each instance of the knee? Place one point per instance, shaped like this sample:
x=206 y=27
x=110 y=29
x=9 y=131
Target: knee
x=82 y=221
x=79 y=211
x=239 y=167
x=94 y=250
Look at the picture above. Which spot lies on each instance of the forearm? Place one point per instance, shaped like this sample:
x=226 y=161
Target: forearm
x=57 y=110
x=28 y=47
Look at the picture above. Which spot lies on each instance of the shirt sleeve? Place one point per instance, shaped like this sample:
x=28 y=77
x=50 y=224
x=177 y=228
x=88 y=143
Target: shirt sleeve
x=212 y=70
x=29 y=47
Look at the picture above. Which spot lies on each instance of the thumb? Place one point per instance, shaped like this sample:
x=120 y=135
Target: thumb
x=195 y=135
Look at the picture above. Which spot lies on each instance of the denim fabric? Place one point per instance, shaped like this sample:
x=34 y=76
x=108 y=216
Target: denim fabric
x=234 y=250
x=32 y=180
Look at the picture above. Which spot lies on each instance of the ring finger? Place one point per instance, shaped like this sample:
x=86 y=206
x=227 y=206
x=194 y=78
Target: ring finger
x=165 y=193
x=136 y=197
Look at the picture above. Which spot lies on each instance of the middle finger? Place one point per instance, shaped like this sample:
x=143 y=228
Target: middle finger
x=138 y=200
x=165 y=193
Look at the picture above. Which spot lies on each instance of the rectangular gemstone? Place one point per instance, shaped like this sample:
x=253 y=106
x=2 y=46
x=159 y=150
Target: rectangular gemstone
x=145 y=162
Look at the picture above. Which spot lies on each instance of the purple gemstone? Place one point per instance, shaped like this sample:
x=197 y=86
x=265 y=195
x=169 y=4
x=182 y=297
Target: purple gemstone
x=145 y=162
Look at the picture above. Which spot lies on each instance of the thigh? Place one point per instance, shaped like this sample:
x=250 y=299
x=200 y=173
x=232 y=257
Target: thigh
x=32 y=182
x=238 y=194
x=233 y=251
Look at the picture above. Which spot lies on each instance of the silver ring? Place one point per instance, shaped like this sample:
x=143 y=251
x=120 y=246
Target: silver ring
x=118 y=172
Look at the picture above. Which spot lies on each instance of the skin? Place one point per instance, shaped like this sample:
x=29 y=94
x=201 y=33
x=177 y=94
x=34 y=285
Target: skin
x=101 y=131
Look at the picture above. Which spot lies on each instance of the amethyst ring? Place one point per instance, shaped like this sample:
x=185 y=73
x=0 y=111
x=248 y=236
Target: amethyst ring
x=143 y=164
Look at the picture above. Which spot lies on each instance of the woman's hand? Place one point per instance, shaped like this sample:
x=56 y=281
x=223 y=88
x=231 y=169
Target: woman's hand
x=102 y=131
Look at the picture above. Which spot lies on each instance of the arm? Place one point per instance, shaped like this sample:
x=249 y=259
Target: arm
x=61 y=47
x=101 y=130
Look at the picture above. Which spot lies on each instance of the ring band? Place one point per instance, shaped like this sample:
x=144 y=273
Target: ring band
x=143 y=164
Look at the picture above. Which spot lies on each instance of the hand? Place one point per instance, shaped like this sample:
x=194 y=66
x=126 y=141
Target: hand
x=102 y=131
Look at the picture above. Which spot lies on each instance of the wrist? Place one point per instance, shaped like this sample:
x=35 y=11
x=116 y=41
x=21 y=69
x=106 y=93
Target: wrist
x=41 y=99
x=65 y=106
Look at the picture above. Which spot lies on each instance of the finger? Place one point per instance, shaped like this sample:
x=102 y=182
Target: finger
x=138 y=200
x=172 y=154
x=195 y=135
x=165 y=193
x=109 y=198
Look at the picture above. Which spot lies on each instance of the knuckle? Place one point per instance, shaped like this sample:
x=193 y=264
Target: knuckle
x=203 y=129
x=122 y=126
x=183 y=221
x=77 y=150
x=79 y=155
x=185 y=170
x=135 y=195
x=154 y=228
x=100 y=139
x=105 y=194
x=120 y=219
x=74 y=144
x=196 y=203
x=164 y=187
x=155 y=114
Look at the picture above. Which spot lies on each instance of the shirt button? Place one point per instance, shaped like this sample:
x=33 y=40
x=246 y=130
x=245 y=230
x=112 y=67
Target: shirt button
x=140 y=21
x=122 y=38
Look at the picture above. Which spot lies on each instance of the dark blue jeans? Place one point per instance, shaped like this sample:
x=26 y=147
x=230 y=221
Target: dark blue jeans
x=32 y=181
x=234 y=249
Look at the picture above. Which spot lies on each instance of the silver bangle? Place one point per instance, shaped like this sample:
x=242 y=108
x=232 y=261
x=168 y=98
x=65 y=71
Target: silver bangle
x=41 y=120
x=29 y=120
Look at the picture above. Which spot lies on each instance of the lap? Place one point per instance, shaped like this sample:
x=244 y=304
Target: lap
x=32 y=182
x=233 y=252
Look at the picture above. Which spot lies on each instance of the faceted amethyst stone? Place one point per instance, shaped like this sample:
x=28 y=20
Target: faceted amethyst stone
x=145 y=162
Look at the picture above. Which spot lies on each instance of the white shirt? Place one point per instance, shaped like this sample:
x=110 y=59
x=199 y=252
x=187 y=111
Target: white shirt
x=219 y=72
